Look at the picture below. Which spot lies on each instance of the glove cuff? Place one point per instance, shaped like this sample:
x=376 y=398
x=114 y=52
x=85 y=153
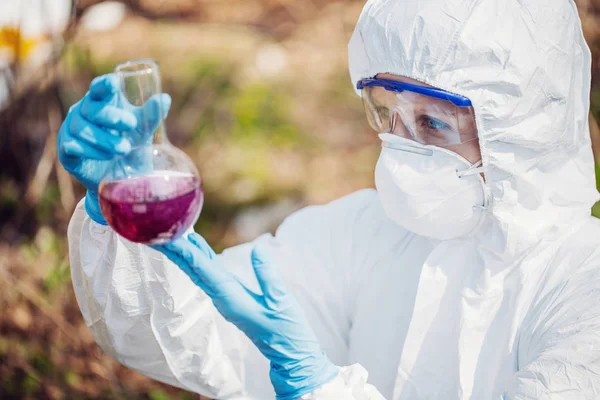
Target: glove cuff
x=293 y=381
x=92 y=207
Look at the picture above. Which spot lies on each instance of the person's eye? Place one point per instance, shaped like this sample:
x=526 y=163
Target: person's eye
x=433 y=130
x=433 y=123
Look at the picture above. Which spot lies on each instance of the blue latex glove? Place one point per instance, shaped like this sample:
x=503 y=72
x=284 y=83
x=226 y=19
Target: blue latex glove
x=92 y=134
x=273 y=321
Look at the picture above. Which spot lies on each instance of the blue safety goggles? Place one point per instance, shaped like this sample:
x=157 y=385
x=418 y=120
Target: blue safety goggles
x=399 y=87
x=424 y=114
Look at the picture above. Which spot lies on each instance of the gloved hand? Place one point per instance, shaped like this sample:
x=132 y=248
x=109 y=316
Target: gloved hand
x=273 y=321
x=91 y=134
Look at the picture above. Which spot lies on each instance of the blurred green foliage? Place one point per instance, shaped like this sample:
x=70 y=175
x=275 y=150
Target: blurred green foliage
x=260 y=116
x=596 y=208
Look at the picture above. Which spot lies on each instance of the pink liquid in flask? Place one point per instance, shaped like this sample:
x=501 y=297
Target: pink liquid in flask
x=152 y=209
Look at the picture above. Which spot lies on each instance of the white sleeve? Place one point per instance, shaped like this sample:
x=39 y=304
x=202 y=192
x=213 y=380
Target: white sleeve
x=559 y=345
x=148 y=315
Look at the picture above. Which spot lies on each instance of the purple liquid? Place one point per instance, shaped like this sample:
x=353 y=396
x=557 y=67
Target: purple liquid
x=152 y=209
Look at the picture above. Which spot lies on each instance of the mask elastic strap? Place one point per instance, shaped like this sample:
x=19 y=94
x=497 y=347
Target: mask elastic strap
x=472 y=170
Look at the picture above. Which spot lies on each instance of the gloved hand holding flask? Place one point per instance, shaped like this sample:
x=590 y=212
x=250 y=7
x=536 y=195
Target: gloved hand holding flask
x=114 y=142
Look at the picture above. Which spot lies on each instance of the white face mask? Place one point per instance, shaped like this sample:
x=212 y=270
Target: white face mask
x=429 y=190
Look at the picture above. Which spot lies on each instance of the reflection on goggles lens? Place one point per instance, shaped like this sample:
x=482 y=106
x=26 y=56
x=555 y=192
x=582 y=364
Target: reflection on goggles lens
x=419 y=117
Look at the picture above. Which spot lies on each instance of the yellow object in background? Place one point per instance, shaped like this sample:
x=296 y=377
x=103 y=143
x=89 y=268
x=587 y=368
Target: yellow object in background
x=28 y=33
x=15 y=47
x=27 y=28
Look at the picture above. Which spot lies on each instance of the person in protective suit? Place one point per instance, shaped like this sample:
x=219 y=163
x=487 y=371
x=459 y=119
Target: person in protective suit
x=472 y=272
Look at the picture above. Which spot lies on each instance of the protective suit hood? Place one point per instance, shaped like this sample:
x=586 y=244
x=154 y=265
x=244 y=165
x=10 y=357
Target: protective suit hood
x=529 y=83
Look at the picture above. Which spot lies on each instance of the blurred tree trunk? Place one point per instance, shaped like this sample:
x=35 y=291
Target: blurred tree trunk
x=589 y=12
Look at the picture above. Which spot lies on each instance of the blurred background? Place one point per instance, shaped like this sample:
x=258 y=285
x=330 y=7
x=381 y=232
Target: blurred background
x=262 y=102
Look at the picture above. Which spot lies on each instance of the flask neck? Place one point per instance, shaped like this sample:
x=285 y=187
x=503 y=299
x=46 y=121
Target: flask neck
x=160 y=135
x=141 y=94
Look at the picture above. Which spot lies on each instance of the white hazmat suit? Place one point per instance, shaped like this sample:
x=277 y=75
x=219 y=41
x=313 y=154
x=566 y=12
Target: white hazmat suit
x=510 y=312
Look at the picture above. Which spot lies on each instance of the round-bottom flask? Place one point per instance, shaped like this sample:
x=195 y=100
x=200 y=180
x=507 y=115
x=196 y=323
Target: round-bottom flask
x=153 y=194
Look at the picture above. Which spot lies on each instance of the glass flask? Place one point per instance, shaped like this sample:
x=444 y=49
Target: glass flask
x=153 y=194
